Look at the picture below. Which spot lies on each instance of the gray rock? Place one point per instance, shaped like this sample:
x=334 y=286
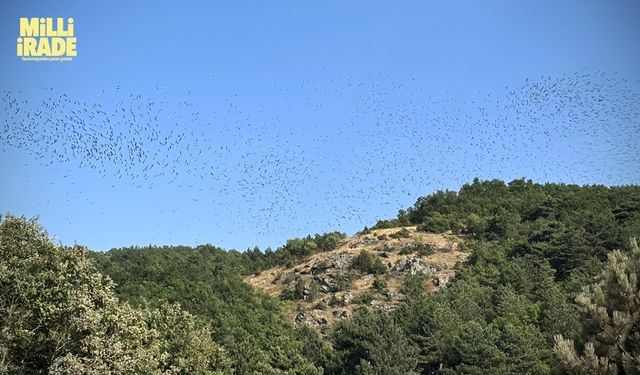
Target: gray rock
x=337 y=262
x=300 y=316
x=310 y=320
x=442 y=280
x=363 y=241
x=412 y=266
x=367 y=277
x=324 y=280
x=347 y=298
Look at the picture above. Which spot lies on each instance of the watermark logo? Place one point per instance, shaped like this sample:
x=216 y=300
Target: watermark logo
x=47 y=39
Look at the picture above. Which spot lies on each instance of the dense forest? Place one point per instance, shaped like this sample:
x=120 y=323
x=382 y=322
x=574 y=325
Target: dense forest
x=551 y=286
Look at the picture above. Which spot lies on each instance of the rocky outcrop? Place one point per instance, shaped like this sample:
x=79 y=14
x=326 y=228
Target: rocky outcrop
x=310 y=320
x=336 y=263
x=412 y=266
x=329 y=286
x=441 y=280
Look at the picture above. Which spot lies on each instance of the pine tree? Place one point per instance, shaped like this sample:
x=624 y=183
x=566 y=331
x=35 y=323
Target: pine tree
x=373 y=343
x=612 y=311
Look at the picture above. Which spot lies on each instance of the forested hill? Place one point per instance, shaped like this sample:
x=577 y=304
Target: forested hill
x=511 y=308
x=568 y=225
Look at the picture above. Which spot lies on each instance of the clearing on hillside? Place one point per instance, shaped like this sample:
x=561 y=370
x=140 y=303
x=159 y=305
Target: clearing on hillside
x=378 y=268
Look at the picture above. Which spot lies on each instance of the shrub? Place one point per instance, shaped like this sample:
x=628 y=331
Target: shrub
x=368 y=263
x=424 y=249
x=365 y=298
x=341 y=283
x=407 y=250
x=294 y=291
x=380 y=285
x=414 y=285
x=402 y=233
x=336 y=301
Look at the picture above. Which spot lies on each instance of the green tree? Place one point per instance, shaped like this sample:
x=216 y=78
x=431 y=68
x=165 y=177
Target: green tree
x=372 y=343
x=58 y=315
x=368 y=263
x=611 y=309
x=208 y=283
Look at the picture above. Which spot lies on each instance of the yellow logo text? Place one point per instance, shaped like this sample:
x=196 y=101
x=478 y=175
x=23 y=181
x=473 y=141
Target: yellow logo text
x=46 y=39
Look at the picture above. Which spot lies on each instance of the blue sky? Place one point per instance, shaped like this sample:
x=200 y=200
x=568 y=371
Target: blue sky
x=302 y=118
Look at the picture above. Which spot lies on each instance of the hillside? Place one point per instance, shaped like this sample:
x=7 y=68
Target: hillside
x=375 y=303
x=328 y=286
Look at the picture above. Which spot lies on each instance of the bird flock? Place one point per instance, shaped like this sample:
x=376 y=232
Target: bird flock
x=334 y=154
